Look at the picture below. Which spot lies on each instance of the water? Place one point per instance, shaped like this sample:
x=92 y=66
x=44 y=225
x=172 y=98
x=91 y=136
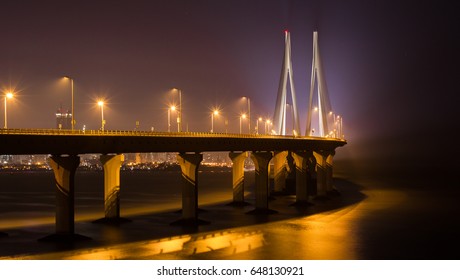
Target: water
x=371 y=219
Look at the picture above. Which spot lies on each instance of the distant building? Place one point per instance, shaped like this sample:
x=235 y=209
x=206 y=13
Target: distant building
x=63 y=119
x=6 y=159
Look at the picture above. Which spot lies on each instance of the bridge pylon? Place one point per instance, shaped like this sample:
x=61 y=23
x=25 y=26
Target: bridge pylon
x=318 y=81
x=279 y=119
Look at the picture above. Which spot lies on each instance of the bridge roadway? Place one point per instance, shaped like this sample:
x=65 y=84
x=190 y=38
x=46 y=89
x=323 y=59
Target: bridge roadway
x=310 y=157
x=55 y=141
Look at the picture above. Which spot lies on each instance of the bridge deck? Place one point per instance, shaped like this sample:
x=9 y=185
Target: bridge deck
x=55 y=141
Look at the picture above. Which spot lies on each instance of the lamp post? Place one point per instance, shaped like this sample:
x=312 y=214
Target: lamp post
x=169 y=120
x=339 y=127
x=312 y=132
x=292 y=118
x=101 y=104
x=267 y=125
x=8 y=95
x=329 y=116
x=243 y=116
x=179 y=114
x=173 y=109
x=249 y=113
x=214 y=113
x=71 y=89
x=257 y=124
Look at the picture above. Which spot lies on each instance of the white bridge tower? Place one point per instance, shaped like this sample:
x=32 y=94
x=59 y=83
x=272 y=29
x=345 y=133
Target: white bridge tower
x=279 y=119
x=318 y=82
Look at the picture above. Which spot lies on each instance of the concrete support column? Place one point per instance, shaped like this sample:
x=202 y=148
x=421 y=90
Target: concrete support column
x=64 y=173
x=189 y=164
x=279 y=166
x=329 y=172
x=238 y=176
x=111 y=165
x=290 y=174
x=305 y=162
x=321 y=173
x=261 y=161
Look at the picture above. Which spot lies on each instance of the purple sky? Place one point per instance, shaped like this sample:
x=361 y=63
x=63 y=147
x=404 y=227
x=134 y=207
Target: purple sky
x=389 y=66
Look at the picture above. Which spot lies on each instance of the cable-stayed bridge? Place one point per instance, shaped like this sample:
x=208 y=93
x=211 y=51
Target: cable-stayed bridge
x=310 y=156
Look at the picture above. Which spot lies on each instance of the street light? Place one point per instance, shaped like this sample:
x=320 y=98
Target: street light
x=173 y=108
x=8 y=95
x=292 y=118
x=243 y=116
x=213 y=113
x=257 y=124
x=339 y=127
x=169 y=120
x=101 y=104
x=71 y=89
x=179 y=114
x=332 y=115
x=249 y=113
x=267 y=124
x=312 y=132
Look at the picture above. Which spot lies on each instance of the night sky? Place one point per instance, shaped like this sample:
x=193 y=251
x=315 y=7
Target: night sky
x=391 y=67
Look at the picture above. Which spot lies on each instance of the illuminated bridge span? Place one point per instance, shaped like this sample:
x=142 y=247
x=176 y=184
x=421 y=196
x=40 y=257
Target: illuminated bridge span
x=312 y=157
x=56 y=141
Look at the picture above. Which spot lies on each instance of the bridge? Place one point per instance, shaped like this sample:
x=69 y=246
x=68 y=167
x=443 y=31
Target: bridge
x=310 y=156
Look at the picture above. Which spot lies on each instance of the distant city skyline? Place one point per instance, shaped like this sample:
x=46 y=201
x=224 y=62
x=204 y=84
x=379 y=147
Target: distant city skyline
x=131 y=159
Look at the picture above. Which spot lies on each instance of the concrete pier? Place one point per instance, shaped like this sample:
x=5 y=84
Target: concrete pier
x=300 y=159
x=279 y=166
x=111 y=165
x=261 y=161
x=320 y=173
x=238 y=176
x=64 y=168
x=189 y=164
x=290 y=174
x=329 y=173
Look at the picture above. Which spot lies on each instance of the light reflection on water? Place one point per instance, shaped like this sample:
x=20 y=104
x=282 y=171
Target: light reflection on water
x=331 y=234
x=226 y=242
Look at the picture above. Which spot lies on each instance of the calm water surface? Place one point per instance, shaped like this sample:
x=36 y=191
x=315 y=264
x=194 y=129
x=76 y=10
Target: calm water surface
x=369 y=220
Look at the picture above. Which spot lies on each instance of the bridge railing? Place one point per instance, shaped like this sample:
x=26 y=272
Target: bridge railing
x=67 y=132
